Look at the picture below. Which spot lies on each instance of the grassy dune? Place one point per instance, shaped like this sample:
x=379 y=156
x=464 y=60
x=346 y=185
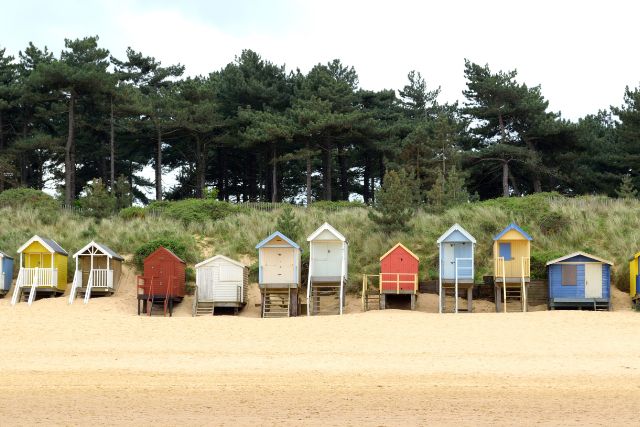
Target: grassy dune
x=603 y=226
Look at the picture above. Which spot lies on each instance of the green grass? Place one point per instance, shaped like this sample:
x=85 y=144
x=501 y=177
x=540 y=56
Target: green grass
x=603 y=226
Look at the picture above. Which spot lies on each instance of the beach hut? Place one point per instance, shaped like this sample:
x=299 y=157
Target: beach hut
x=163 y=281
x=279 y=275
x=634 y=285
x=399 y=274
x=6 y=273
x=511 y=254
x=220 y=282
x=456 y=248
x=98 y=271
x=579 y=280
x=328 y=266
x=43 y=269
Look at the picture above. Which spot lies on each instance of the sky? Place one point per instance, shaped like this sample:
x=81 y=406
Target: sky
x=583 y=54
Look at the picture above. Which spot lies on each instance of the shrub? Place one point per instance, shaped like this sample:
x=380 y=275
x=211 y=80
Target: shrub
x=539 y=261
x=327 y=205
x=196 y=210
x=132 y=212
x=395 y=201
x=28 y=197
x=97 y=200
x=178 y=246
x=288 y=224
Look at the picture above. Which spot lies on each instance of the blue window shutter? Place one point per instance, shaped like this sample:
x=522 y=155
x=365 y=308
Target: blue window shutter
x=505 y=250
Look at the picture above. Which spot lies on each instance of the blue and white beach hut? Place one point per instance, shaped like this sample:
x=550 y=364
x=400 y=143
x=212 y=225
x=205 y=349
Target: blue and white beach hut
x=456 y=247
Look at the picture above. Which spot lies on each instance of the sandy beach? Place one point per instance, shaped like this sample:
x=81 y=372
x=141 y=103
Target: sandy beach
x=102 y=364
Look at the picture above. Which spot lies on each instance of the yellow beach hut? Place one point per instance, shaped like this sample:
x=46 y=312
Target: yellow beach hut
x=512 y=272
x=43 y=269
x=634 y=288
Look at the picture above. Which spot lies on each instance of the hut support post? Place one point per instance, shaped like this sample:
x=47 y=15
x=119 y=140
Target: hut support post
x=470 y=299
x=342 y=278
x=456 y=284
x=440 y=304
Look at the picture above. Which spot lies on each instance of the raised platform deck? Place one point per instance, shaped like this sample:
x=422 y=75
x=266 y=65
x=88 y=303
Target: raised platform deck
x=596 y=304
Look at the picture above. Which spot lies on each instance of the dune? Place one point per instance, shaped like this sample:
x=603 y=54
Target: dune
x=101 y=363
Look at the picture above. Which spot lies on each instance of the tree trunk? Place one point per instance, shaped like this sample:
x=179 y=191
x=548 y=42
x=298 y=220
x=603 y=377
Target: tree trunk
x=366 y=178
x=69 y=155
x=344 y=176
x=274 y=174
x=1 y=148
x=159 y=164
x=23 y=159
x=112 y=149
x=382 y=171
x=535 y=173
x=308 y=174
x=514 y=184
x=201 y=163
x=505 y=178
x=328 y=166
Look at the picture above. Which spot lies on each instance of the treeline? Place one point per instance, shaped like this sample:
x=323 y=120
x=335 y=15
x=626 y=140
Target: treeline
x=255 y=131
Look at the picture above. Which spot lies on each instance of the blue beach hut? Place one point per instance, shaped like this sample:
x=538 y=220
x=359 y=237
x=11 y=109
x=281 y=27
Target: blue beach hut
x=580 y=280
x=456 y=247
x=6 y=272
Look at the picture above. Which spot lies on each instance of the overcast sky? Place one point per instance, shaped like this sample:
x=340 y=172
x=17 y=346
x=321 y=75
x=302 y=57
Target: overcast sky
x=582 y=53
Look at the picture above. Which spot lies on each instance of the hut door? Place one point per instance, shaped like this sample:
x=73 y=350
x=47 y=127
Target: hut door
x=449 y=261
x=593 y=280
x=207 y=279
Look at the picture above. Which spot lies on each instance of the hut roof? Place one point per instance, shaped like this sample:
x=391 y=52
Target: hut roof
x=326 y=227
x=456 y=227
x=274 y=235
x=584 y=254
x=5 y=255
x=50 y=244
x=162 y=248
x=232 y=261
x=401 y=246
x=103 y=248
x=515 y=227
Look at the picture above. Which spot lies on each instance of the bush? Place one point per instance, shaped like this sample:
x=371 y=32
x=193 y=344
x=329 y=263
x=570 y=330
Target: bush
x=28 y=197
x=132 y=212
x=196 y=210
x=539 y=261
x=178 y=246
x=288 y=224
x=396 y=201
x=97 y=200
x=327 y=205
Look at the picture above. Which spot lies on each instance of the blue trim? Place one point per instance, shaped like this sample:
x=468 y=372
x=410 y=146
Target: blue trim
x=277 y=234
x=510 y=227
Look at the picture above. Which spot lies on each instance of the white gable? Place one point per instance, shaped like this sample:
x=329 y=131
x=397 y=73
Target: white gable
x=326 y=232
x=456 y=228
x=219 y=258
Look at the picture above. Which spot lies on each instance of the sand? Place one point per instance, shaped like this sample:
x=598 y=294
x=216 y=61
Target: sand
x=100 y=363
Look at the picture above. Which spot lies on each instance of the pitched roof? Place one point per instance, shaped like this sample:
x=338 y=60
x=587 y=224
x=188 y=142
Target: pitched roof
x=326 y=226
x=401 y=246
x=515 y=227
x=162 y=248
x=579 y=253
x=50 y=244
x=5 y=255
x=103 y=248
x=274 y=235
x=456 y=227
x=232 y=261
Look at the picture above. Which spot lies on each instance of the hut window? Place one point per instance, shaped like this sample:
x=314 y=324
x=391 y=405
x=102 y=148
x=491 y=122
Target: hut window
x=505 y=251
x=569 y=275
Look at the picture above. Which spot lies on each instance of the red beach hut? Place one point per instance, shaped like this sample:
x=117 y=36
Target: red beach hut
x=399 y=274
x=163 y=281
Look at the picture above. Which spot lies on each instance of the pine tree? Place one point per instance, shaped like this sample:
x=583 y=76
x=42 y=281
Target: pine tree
x=288 y=224
x=396 y=201
x=626 y=190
